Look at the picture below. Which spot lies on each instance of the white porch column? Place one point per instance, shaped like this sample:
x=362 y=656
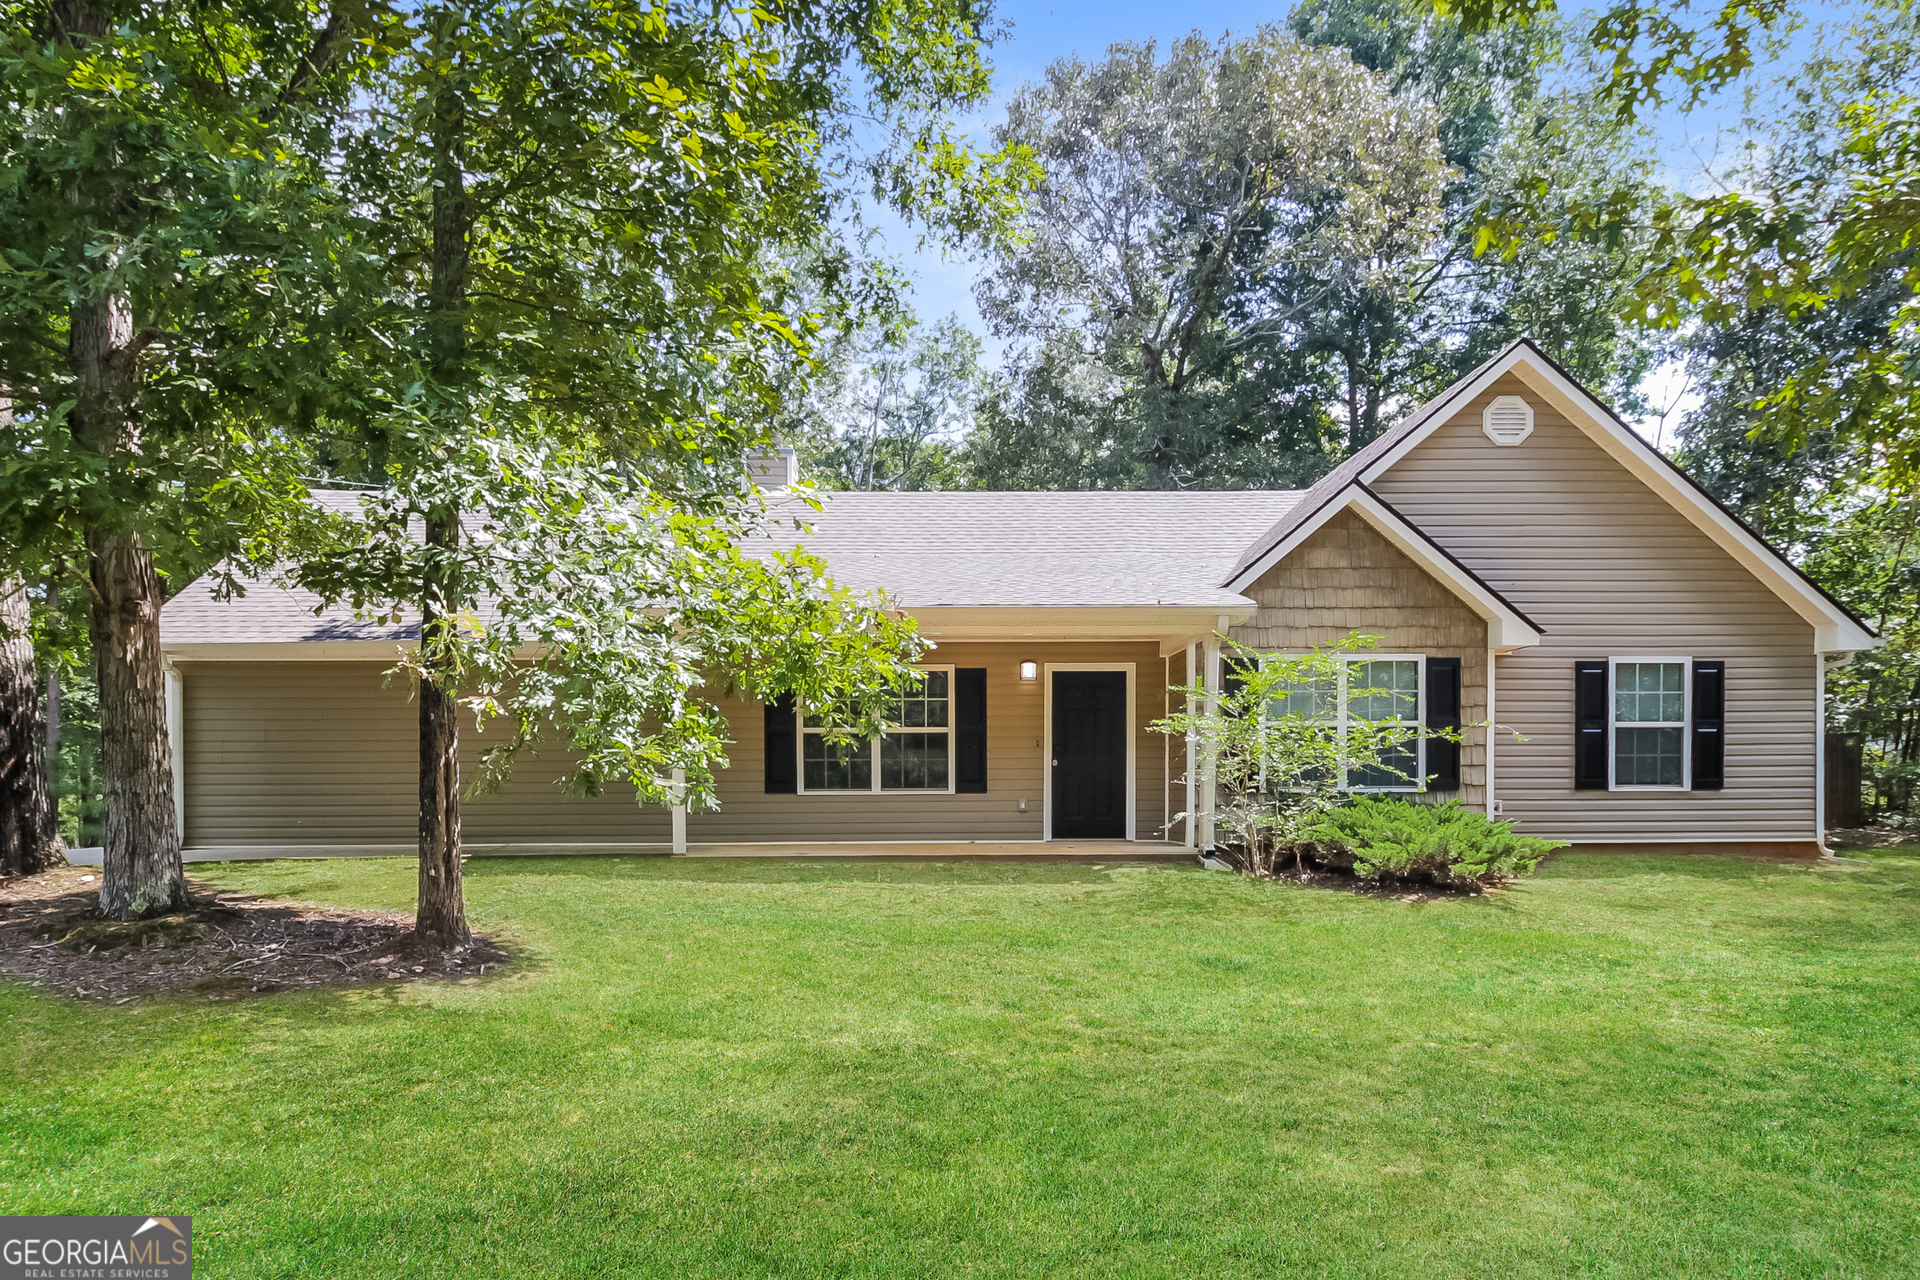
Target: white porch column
x=1208 y=780
x=1193 y=751
x=176 y=747
x=679 y=811
x=1819 y=752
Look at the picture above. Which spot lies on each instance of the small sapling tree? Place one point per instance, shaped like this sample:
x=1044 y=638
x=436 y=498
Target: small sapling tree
x=1281 y=754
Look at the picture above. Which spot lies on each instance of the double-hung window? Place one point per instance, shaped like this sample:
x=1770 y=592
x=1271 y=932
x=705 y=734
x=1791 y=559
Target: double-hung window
x=914 y=753
x=1385 y=689
x=1649 y=723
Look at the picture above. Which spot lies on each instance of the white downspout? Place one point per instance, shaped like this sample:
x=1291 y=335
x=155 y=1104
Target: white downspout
x=1193 y=751
x=679 y=811
x=1819 y=753
x=1493 y=805
x=176 y=747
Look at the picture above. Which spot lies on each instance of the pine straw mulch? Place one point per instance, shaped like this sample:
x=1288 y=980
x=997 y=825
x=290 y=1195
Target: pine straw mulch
x=224 y=947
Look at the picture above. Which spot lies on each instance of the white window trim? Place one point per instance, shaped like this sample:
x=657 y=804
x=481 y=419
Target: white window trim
x=873 y=749
x=1419 y=721
x=1685 y=725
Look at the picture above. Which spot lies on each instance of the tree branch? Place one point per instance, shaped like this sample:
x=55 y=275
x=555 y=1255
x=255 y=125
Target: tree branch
x=329 y=47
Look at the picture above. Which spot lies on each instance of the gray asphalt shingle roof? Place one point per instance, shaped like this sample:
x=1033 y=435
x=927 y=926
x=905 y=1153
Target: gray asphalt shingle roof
x=1077 y=549
x=1027 y=549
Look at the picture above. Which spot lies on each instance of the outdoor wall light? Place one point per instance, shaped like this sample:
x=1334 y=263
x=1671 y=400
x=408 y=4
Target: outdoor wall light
x=1029 y=671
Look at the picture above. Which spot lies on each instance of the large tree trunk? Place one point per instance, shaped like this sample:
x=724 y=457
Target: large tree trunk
x=29 y=835
x=441 y=915
x=142 y=873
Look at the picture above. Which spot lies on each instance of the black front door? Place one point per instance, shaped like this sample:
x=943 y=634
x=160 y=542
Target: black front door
x=1089 y=755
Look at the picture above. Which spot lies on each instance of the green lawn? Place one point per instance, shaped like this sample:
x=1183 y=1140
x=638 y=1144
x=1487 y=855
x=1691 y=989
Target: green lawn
x=1624 y=1067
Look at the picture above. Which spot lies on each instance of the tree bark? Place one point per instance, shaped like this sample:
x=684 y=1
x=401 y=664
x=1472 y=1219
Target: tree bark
x=441 y=915
x=53 y=728
x=29 y=835
x=142 y=873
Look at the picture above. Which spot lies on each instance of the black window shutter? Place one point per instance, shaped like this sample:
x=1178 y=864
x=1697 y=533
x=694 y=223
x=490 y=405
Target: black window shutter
x=970 y=729
x=1709 y=725
x=1443 y=713
x=782 y=728
x=1591 y=724
x=1233 y=675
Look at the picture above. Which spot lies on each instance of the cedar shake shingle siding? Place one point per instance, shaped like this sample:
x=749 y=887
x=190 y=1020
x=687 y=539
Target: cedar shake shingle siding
x=1609 y=569
x=1347 y=578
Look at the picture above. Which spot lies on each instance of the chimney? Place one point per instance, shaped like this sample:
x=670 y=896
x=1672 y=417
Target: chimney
x=776 y=468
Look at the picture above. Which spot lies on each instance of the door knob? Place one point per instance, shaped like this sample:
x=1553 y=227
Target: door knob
x=1056 y=764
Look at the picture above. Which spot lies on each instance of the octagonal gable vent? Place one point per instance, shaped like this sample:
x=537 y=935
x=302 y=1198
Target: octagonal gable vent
x=1509 y=420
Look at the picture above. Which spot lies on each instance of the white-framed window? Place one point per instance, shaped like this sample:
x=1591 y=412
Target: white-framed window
x=915 y=753
x=1649 y=701
x=1379 y=687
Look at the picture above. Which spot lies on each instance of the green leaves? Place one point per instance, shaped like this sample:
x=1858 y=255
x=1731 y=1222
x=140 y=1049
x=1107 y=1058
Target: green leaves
x=1449 y=844
x=608 y=619
x=1646 y=46
x=1286 y=739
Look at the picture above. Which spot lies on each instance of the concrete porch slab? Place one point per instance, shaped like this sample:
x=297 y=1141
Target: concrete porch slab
x=931 y=850
x=972 y=850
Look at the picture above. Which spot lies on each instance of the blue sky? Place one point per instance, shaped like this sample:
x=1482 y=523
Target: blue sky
x=1688 y=143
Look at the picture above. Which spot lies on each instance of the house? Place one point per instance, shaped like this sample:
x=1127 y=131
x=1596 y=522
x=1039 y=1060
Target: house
x=1525 y=558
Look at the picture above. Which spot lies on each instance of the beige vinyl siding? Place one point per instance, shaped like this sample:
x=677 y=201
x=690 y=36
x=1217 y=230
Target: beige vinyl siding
x=1015 y=730
x=327 y=753
x=1608 y=569
x=1347 y=578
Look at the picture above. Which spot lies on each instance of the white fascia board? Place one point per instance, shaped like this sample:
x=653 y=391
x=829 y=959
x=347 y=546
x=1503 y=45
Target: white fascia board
x=1023 y=623
x=1506 y=630
x=1834 y=631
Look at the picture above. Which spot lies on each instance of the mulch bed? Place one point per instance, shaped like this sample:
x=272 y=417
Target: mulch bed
x=224 y=947
x=1319 y=876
